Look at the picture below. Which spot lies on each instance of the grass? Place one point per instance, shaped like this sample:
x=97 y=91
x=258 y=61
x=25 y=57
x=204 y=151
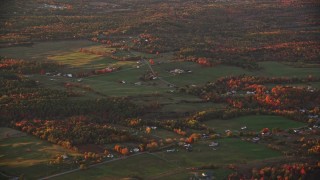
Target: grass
x=41 y=50
x=220 y=173
x=28 y=155
x=145 y=165
x=8 y=132
x=231 y=150
x=100 y=48
x=191 y=107
x=255 y=122
x=200 y=75
x=114 y=88
x=76 y=58
x=109 y=84
x=165 y=134
x=277 y=69
x=166 y=165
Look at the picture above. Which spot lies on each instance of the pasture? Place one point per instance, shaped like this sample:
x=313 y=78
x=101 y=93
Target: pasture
x=41 y=50
x=163 y=134
x=145 y=165
x=29 y=155
x=277 y=69
x=164 y=165
x=76 y=58
x=254 y=123
x=191 y=107
x=230 y=150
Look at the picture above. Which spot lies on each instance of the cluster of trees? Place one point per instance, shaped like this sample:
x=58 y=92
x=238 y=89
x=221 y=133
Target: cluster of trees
x=180 y=132
x=19 y=66
x=70 y=85
x=82 y=74
x=282 y=172
x=244 y=83
x=152 y=145
x=73 y=131
x=310 y=145
x=252 y=94
x=207 y=58
x=91 y=156
x=121 y=150
x=113 y=110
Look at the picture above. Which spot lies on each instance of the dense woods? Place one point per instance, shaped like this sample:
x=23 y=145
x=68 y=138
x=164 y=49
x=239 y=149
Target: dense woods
x=73 y=131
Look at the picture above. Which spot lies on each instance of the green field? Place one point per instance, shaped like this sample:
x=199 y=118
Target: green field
x=276 y=69
x=220 y=173
x=29 y=155
x=100 y=48
x=76 y=58
x=230 y=150
x=165 y=134
x=191 y=107
x=41 y=50
x=255 y=123
x=172 y=165
x=199 y=75
x=145 y=165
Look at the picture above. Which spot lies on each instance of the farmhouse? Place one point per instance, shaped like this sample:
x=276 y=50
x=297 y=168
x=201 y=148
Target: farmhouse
x=171 y=150
x=110 y=156
x=213 y=144
x=255 y=139
x=265 y=132
x=65 y=156
x=177 y=71
x=205 y=136
x=188 y=147
x=136 y=150
x=313 y=116
x=138 y=83
x=208 y=175
x=250 y=92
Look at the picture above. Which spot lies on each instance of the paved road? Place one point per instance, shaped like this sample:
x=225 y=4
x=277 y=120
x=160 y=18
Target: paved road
x=91 y=166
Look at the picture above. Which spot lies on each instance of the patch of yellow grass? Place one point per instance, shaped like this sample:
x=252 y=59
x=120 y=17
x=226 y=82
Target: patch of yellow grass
x=76 y=58
x=15 y=145
x=20 y=162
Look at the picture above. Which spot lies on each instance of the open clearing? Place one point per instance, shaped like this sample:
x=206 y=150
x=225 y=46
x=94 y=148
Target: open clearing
x=230 y=150
x=255 y=122
x=29 y=155
x=145 y=165
x=153 y=165
x=41 y=50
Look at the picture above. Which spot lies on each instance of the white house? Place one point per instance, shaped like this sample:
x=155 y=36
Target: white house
x=213 y=144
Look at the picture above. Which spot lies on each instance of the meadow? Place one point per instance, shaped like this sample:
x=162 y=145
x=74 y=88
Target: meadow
x=145 y=166
x=254 y=123
x=30 y=156
x=164 y=165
